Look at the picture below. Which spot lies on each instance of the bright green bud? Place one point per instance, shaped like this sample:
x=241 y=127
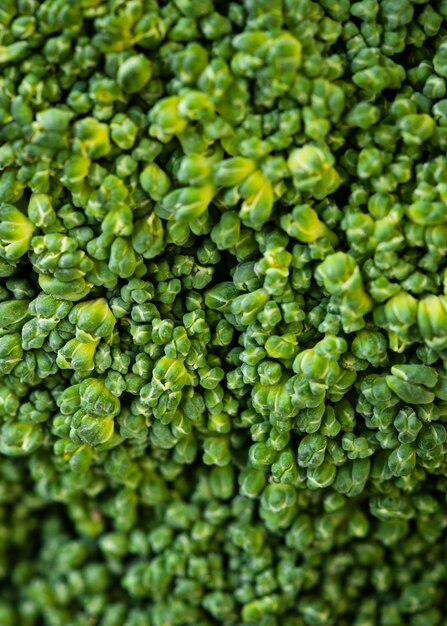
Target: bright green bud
x=36 y=330
x=270 y=316
x=339 y=273
x=40 y=210
x=253 y=42
x=330 y=426
x=247 y=306
x=80 y=460
x=409 y=392
x=46 y=306
x=281 y=347
x=315 y=611
x=261 y=454
x=165 y=119
x=232 y=172
x=402 y=460
x=226 y=232
x=220 y=297
x=123 y=131
x=134 y=73
x=432 y=321
x=278 y=505
x=93 y=431
x=77 y=167
x=20 y=438
x=54 y=119
x=363 y=115
x=416 y=128
x=93 y=319
x=311 y=450
x=430 y=440
x=148 y=236
x=313 y=172
x=195 y=169
x=315 y=367
x=254 y=611
x=219 y=604
x=257 y=207
x=194 y=8
x=69 y=400
x=16 y=232
x=9 y=403
x=440 y=390
x=426 y=212
x=11 y=352
x=352 y=477
x=371 y=346
x=155 y=181
x=244 y=64
x=376 y=391
x=399 y=313
x=187 y=203
x=416 y=373
x=117 y=222
x=195 y=105
x=304 y=224
x=224 y=332
x=125 y=165
x=284 y=53
x=408 y=425
x=211 y=377
x=77 y=355
x=322 y=476
x=376 y=79
x=356 y=447
x=190 y=62
x=170 y=373
x=370 y=163
x=436 y=237
x=94 y=137
x=96 y=400
x=13 y=313
x=251 y=482
x=122 y=260
x=216 y=451
x=14 y=52
x=285 y=469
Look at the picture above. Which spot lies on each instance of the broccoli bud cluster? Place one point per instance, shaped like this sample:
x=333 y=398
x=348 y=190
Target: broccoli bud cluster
x=223 y=312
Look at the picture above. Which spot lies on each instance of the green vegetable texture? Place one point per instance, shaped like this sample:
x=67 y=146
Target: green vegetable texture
x=223 y=312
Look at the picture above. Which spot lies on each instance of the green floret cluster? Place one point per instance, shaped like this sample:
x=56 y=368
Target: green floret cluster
x=223 y=312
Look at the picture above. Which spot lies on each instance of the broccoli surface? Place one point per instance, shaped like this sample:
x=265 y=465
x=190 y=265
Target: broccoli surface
x=223 y=312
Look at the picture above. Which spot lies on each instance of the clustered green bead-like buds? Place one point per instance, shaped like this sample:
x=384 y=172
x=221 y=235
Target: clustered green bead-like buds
x=223 y=312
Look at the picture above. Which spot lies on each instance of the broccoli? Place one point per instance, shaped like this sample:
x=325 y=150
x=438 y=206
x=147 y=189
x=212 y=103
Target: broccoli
x=223 y=312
